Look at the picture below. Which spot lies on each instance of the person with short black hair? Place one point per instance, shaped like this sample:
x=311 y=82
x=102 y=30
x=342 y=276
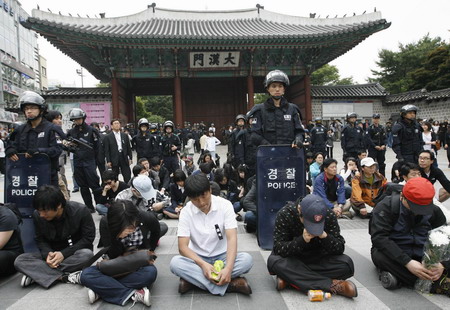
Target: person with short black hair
x=207 y=232
x=308 y=249
x=112 y=186
x=177 y=195
x=163 y=174
x=118 y=151
x=433 y=174
x=10 y=242
x=64 y=232
x=126 y=235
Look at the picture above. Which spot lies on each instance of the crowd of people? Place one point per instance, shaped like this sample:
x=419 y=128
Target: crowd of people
x=209 y=198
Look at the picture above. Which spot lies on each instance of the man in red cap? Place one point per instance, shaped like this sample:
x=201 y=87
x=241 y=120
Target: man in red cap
x=399 y=229
x=308 y=249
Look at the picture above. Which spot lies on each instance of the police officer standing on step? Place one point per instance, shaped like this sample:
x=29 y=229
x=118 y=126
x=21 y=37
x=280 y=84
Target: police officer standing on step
x=352 y=137
x=319 y=137
x=377 y=140
x=142 y=142
x=236 y=145
x=407 y=135
x=170 y=145
x=276 y=121
x=84 y=157
x=37 y=135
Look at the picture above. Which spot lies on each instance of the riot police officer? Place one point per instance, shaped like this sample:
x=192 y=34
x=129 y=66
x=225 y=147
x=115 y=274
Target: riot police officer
x=318 y=137
x=84 y=157
x=37 y=135
x=352 y=137
x=276 y=121
x=407 y=135
x=144 y=142
x=377 y=140
x=236 y=145
x=170 y=145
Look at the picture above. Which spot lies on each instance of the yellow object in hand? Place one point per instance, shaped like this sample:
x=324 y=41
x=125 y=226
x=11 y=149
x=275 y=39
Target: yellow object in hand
x=218 y=266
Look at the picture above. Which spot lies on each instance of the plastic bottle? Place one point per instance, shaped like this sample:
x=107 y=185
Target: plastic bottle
x=318 y=295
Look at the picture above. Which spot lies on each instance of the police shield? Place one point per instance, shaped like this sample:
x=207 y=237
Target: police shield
x=280 y=178
x=22 y=179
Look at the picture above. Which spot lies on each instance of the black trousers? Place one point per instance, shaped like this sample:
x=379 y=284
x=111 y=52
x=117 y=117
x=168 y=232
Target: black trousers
x=384 y=263
x=87 y=178
x=313 y=273
x=380 y=158
x=7 y=259
x=350 y=154
x=171 y=163
x=123 y=168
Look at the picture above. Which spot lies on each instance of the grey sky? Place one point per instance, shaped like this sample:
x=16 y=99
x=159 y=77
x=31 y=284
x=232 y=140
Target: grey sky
x=411 y=20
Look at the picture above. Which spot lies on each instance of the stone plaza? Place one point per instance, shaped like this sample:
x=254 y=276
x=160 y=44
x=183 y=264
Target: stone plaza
x=371 y=295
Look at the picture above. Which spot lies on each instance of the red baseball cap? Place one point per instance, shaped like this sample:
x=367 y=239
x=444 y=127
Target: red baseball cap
x=419 y=192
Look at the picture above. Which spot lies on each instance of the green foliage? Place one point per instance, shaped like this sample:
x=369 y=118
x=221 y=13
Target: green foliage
x=397 y=67
x=329 y=75
x=260 y=97
x=435 y=72
x=156 y=109
x=103 y=85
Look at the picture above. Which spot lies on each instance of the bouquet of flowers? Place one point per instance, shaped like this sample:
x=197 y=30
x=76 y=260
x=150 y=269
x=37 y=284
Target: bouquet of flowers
x=437 y=249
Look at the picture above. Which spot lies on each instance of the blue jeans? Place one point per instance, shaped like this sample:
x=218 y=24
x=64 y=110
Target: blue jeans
x=237 y=206
x=101 y=209
x=117 y=291
x=251 y=220
x=348 y=191
x=187 y=269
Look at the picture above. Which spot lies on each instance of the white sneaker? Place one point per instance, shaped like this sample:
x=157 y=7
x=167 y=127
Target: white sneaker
x=92 y=296
x=142 y=296
x=26 y=281
x=73 y=277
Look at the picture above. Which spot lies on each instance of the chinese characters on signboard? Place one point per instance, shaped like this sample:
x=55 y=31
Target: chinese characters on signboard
x=208 y=60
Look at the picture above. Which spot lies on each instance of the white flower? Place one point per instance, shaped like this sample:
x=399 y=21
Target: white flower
x=445 y=230
x=438 y=238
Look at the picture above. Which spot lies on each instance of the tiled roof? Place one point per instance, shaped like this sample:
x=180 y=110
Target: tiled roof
x=79 y=92
x=242 y=24
x=373 y=90
x=414 y=95
x=439 y=94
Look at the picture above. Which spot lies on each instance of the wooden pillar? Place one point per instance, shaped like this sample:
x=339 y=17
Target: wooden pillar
x=115 y=97
x=308 y=105
x=250 y=92
x=178 y=106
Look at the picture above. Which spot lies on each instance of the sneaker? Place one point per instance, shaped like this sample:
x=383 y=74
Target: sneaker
x=26 y=281
x=73 y=277
x=388 y=280
x=92 y=296
x=142 y=296
x=239 y=217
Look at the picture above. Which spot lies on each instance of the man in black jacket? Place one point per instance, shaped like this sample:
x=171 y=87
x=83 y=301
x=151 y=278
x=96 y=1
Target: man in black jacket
x=65 y=232
x=308 y=249
x=399 y=230
x=433 y=174
x=118 y=151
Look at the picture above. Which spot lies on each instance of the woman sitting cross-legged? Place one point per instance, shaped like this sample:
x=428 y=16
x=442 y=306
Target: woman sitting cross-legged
x=129 y=271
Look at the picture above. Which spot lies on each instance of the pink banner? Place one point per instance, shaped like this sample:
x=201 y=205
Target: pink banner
x=99 y=112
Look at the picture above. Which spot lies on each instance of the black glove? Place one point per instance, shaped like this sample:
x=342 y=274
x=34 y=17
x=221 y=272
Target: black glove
x=32 y=152
x=10 y=152
x=298 y=142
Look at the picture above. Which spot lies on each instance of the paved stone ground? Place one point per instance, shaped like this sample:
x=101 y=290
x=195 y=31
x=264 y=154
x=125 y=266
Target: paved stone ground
x=165 y=296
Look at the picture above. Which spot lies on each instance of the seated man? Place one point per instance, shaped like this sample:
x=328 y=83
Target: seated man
x=177 y=195
x=433 y=174
x=331 y=187
x=112 y=186
x=10 y=242
x=207 y=231
x=365 y=187
x=308 y=249
x=396 y=252
x=163 y=174
x=249 y=204
x=65 y=232
x=127 y=230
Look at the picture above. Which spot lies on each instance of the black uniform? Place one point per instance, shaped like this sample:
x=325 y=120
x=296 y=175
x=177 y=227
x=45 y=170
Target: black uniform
x=352 y=141
x=376 y=136
x=42 y=139
x=84 y=162
x=170 y=156
x=319 y=139
x=276 y=125
x=407 y=140
x=236 y=147
x=146 y=145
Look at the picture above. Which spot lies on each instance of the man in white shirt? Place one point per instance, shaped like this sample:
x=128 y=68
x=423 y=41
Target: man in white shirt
x=207 y=232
